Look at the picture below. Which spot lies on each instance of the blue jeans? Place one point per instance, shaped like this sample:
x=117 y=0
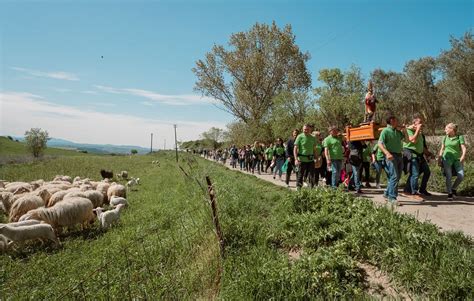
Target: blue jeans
x=449 y=174
x=394 y=169
x=378 y=166
x=278 y=164
x=336 y=166
x=417 y=167
x=355 y=176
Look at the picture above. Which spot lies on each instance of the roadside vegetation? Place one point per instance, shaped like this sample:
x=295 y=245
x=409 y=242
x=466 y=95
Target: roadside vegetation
x=278 y=244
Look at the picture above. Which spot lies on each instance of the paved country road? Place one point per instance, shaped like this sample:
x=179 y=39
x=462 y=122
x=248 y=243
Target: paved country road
x=448 y=215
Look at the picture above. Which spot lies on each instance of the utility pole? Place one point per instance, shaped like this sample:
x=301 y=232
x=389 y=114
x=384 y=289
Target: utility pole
x=151 y=144
x=176 y=141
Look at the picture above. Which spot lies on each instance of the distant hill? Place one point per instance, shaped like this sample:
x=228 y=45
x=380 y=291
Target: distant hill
x=93 y=148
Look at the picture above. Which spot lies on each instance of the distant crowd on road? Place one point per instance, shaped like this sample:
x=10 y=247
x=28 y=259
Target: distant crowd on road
x=332 y=160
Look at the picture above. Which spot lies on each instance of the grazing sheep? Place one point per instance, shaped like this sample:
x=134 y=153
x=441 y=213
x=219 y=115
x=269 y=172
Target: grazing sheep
x=24 y=233
x=106 y=174
x=6 y=201
x=132 y=182
x=96 y=197
x=56 y=198
x=18 y=187
x=116 y=200
x=116 y=190
x=22 y=223
x=76 y=179
x=23 y=205
x=69 y=212
x=75 y=193
x=103 y=187
x=85 y=187
x=3 y=243
x=3 y=183
x=63 y=178
x=108 y=218
x=36 y=184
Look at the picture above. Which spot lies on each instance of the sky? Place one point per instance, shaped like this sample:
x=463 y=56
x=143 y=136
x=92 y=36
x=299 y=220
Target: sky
x=116 y=71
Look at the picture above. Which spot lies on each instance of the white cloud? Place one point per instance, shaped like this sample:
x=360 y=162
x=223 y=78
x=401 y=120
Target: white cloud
x=22 y=111
x=52 y=74
x=146 y=103
x=177 y=100
x=90 y=92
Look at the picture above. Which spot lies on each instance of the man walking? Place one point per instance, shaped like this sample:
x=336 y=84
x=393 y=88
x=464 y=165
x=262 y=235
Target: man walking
x=334 y=154
x=414 y=151
x=390 y=143
x=290 y=155
x=305 y=153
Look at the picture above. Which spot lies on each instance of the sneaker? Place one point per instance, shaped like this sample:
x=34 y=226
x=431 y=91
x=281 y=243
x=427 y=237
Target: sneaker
x=425 y=193
x=450 y=197
x=454 y=192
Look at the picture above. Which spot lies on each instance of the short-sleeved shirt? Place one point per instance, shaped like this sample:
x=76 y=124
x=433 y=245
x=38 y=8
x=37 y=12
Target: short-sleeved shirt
x=334 y=147
x=319 y=148
x=392 y=139
x=452 y=148
x=379 y=156
x=269 y=153
x=278 y=151
x=416 y=147
x=305 y=147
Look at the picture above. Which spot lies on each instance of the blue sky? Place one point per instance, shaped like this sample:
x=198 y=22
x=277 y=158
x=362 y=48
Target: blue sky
x=51 y=70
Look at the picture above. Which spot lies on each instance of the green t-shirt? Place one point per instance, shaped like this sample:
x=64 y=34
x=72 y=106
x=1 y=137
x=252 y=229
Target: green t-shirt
x=269 y=153
x=305 y=147
x=334 y=147
x=366 y=154
x=392 y=139
x=452 y=148
x=257 y=151
x=279 y=151
x=378 y=153
x=319 y=148
x=417 y=147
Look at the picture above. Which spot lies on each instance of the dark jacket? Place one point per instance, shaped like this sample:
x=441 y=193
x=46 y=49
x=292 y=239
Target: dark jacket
x=290 y=145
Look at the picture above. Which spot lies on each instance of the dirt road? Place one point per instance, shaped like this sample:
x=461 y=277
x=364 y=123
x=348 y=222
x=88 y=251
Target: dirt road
x=448 y=215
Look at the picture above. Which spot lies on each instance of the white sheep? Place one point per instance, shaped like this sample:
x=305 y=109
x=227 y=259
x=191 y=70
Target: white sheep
x=6 y=201
x=69 y=212
x=63 y=178
x=116 y=190
x=3 y=243
x=24 y=233
x=96 y=197
x=103 y=187
x=110 y=217
x=56 y=198
x=23 y=205
x=133 y=182
x=123 y=174
x=116 y=200
x=28 y=222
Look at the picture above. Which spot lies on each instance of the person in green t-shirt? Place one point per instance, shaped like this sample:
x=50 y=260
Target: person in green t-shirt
x=390 y=143
x=453 y=152
x=269 y=158
x=278 y=157
x=305 y=153
x=414 y=151
x=333 y=151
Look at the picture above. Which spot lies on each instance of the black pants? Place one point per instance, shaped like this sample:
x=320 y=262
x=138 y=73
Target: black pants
x=289 y=169
x=366 y=169
x=306 y=170
x=267 y=165
x=319 y=172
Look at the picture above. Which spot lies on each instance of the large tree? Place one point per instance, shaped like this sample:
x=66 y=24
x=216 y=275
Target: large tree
x=259 y=64
x=340 y=97
x=457 y=86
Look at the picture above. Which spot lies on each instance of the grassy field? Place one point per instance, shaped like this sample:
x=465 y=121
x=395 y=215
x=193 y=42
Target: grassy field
x=165 y=246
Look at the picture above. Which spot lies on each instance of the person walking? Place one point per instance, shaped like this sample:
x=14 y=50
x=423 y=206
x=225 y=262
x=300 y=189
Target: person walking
x=234 y=156
x=278 y=157
x=269 y=158
x=305 y=152
x=319 y=168
x=453 y=153
x=356 y=148
x=257 y=153
x=333 y=151
x=414 y=150
x=290 y=144
x=248 y=158
x=364 y=172
x=377 y=163
x=390 y=143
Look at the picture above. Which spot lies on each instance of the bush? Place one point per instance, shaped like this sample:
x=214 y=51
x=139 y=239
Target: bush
x=36 y=139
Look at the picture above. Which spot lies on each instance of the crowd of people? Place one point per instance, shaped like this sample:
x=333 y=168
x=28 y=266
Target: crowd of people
x=332 y=160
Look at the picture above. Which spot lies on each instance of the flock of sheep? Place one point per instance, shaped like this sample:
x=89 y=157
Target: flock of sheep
x=41 y=209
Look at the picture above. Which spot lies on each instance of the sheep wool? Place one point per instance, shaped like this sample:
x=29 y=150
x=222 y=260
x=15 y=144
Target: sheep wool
x=24 y=233
x=116 y=200
x=6 y=201
x=116 y=190
x=23 y=205
x=108 y=218
x=69 y=212
x=3 y=244
x=56 y=198
x=96 y=197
